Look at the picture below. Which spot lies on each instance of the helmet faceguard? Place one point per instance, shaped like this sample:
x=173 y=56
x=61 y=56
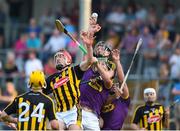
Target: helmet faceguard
x=149 y=95
x=102 y=49
x=37 y=80
x=62 y=59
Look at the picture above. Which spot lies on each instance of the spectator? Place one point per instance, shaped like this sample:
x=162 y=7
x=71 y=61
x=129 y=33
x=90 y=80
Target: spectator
x=69 y=26
x=47 y=23
x=33 y=42
x=152 y=20
x=170 y=18
x=116 y=18
x=150 y=54
x=49 y=67
x=20 y=48
x=163 y=43
x=113 y=39
x=146 y=36
x=176 y=93
x=128 y=44
x=141 y=12
x=176 y=43
x=32 y=64
x=33 y=27
x=56 y=42
x=164 y=85
x=10 y=68
x=175 y=64
x=130 y=14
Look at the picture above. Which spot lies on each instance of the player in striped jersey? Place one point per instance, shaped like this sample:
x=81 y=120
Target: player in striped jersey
x=32 y=108
x=65 y=83
x=151 y=116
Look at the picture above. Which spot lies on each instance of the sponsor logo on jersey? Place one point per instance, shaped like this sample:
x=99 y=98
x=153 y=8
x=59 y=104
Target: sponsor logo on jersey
x=154 y=119
x=60 y=82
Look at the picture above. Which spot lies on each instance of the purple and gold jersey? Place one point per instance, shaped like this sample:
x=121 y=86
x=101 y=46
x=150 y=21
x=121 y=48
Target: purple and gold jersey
x=115 y=113
x=93 y=94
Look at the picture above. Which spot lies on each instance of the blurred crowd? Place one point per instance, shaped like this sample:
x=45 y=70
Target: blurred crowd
x=122 y=26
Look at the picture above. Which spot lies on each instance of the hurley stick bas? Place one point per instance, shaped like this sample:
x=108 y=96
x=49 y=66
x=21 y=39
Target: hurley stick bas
x=132 y=61
x=61 y=28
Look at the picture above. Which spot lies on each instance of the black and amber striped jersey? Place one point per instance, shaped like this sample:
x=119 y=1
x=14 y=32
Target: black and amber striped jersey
x=32 y=109
x=65 y=87
x=150 y=117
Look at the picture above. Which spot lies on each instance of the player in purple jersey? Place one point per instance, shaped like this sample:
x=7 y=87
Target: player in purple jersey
x=94 y=86
x=94 y=94
x=115 y=110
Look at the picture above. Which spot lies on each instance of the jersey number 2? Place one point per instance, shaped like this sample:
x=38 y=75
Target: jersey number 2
x=35 y=112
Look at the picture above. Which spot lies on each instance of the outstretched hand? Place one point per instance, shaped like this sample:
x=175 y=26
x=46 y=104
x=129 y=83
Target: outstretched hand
x=115 y=55
x=87 y=38
x=93 y=26
x=116 y=90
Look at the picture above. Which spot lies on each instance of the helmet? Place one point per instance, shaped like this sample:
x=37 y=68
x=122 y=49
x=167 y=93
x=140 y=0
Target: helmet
x=37 y=79
x=102 y=49
x=62 y=59
x=149 y=95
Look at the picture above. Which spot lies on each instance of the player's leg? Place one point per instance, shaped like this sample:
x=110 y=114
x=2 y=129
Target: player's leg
x=90 y=120
x=61 y=125
x=73 y=119
x=74 y=127
x=60 y=121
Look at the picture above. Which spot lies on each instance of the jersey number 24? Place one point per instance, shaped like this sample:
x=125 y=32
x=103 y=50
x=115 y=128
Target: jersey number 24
x=35 y=113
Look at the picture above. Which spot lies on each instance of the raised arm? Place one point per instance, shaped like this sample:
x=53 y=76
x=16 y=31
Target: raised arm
x=105 y=74
x=88 y=41
x=120 y=74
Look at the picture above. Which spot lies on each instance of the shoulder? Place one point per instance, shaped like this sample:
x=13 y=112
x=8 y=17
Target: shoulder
x=140 y=107
x=158 y=105
x=22 y=95
x=77 y=69
x=47 y=98
x=53 y=75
